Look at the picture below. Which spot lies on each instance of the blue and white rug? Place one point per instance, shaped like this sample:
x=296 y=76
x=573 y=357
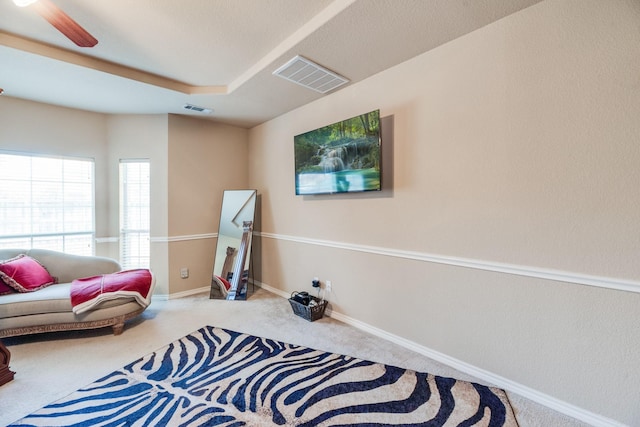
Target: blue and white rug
x=218 y=377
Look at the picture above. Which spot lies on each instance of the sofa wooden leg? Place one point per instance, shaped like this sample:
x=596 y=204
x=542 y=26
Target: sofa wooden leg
x=118 y=328
x=5 y=356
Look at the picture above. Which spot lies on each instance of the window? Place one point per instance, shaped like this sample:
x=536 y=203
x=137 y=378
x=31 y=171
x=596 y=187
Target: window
x=134 y=213
x=47 y=202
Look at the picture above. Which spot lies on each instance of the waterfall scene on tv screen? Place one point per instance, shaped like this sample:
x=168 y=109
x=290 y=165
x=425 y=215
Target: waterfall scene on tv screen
x=339 y=158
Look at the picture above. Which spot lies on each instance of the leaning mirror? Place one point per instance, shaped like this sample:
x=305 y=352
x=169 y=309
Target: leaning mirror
x=233 y=251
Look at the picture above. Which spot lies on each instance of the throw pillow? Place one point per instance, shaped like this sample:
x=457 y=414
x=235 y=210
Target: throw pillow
x=5 y=289
x=25 y=274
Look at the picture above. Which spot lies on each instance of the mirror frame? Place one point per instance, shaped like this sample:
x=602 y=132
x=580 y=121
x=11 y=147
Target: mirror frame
x=231 y=268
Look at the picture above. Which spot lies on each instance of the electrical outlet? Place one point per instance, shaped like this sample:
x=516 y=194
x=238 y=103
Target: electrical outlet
x=315 y=282
x=328 y=285
x=184 y=273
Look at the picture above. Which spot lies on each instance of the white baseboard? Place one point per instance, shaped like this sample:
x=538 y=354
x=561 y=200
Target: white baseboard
x=271 y=289
x=491 y=378
x=190 y=292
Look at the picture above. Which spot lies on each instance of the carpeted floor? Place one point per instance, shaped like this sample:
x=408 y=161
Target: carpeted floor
x=51 y=366
x=216 y=376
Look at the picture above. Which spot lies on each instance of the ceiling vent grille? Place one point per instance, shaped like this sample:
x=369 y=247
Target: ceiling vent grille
x=310 y=75
x=197 y=109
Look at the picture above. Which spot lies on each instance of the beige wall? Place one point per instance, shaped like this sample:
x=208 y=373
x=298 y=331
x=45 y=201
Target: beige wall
x=205 y=159
x=192 y=162
x=514 y=147
x=32 y=127
x=143 y=137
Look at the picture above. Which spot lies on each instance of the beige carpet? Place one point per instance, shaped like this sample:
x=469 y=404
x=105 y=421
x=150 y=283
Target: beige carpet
x=50 y=366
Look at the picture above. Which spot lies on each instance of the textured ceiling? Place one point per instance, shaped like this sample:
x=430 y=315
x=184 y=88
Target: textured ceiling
x=154 y=56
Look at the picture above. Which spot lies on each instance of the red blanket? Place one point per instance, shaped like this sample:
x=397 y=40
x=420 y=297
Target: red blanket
x=89 y=292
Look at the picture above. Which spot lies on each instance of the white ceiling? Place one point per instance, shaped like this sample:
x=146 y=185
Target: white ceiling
x=154 y=56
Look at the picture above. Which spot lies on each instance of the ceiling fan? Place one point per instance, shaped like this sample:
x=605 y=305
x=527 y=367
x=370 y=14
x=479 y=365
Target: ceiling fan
x=61 y=21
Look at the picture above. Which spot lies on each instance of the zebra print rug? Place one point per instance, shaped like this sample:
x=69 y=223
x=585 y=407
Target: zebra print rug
x=218 y=377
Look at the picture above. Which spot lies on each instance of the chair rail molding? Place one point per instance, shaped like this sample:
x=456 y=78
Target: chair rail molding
x=167 y=239
x=519 y=270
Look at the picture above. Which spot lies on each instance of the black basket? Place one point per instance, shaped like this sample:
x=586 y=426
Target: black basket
x=310 y=313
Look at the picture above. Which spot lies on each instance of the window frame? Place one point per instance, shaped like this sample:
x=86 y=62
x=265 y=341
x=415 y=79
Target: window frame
x=30 y=240
x=138 y=260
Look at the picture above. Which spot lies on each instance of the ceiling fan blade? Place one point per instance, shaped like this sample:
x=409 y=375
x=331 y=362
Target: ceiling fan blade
x=63 y=23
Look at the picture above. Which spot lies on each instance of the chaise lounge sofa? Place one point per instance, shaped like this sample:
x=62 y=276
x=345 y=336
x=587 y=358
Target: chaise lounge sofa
x=49 y=308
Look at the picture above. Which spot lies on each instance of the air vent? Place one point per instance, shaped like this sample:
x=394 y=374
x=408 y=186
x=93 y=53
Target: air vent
x=197 y=109
x=310 y=75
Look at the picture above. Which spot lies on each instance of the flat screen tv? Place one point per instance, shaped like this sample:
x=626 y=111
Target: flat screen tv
x=343 y=157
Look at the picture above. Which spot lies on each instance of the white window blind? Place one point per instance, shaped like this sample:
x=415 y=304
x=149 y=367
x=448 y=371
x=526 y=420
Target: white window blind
x=47 y=202
x=134 y=213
